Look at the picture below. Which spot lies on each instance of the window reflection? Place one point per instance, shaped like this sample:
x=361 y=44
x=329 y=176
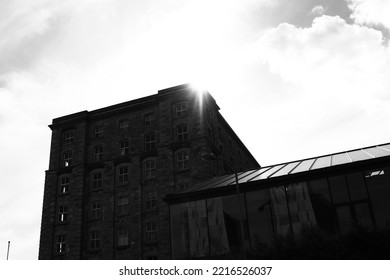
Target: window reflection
x=378 y=184
x=356 y=186
x=338 y=187
x=189 y=230
x=322 y=206
x=280 y=210
x=260 y=218
x=300 y=207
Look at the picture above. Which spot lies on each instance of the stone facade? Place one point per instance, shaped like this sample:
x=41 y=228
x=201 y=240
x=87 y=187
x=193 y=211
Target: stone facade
x=111 y=168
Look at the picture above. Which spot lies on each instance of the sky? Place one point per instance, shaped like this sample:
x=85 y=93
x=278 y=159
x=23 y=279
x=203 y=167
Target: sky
x=294 y=79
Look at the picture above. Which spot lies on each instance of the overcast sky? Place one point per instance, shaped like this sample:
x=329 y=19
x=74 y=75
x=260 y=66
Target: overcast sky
x=294 y=79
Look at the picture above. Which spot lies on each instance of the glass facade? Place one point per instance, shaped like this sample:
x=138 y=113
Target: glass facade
x=336 y=205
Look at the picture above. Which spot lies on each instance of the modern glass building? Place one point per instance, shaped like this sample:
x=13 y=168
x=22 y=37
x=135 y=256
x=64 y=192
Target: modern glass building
x=342 y=199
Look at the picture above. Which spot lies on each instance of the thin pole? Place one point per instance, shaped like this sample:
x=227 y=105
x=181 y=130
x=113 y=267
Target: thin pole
x=9 y=242
x=241 y=216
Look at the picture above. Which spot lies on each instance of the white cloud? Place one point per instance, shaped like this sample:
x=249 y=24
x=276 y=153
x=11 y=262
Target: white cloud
x=318 y=10
x=341 y=71
x=330 y=55
x=370 y=11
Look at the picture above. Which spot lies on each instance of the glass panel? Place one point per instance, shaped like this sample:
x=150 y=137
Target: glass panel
x=303 y=166
x=321 y=162
x=359 y=155
x=357 y=187
x=189 y=230
x=338 y=188
x=244 y=177
x=323 y=208
x=377 y=152
x=256 y=173
x=378 y=183
x=341 y=158
x=344 y=217
x=224 y=225
x=260 y=219
x=267 y=173
x=301 y=210
x=286 y=169
x=387 y=147
x=363 y=216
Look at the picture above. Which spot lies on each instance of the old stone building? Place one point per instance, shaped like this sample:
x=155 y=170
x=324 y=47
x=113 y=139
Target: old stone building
x=111 y=168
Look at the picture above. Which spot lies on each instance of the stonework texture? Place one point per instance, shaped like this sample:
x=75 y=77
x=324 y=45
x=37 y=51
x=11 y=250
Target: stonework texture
x=111 y=168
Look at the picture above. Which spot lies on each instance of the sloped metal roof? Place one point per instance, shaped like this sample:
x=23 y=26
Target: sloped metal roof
x=294 y=167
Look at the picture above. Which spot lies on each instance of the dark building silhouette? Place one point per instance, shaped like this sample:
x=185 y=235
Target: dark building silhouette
x=335 y=206
x=111 y=168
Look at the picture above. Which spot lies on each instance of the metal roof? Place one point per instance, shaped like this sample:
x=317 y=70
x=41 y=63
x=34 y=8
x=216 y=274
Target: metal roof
x=295 y=167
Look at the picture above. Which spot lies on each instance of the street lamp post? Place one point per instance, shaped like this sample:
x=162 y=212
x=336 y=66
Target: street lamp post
x=9 y=242
x=210 y=157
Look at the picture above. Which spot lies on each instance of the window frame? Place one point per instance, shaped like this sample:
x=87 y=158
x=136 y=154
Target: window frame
x=151 y=231
x=98 y=131
x=123 y=208
x=60 y=244
x=182 y=132
x=181 y=109
x=124 y=125
x=96 y=210
x=123 y=174
x=123 y=237
x=62 y=216
x=96 y=180
x=150 y=200
x=94 y=240
x=150 y=119
x=67 y=158
x=150 y=168
x=182 y=160
x=97 y=153
x=150 y=142
x=124 y=147
x=68 y=136
x=64 y=184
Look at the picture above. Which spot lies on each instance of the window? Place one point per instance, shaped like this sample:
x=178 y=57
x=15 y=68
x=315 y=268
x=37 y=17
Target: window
x=182 y=132
x=94 y=241
x=183 y=186
x=98 y=131
x=97 y=180
x=150 y=200
x=123 y=237
x=123 y=174
x=98 y=153
x=68 y=137
x=149 y=119
x=60 y=244
x=150 y=168
x=150 y=142
x=123 y=147
x=181 y=109
x=151 y=231
x=182 y=159
x=96 y=210
x=123 y=205
x=62 y=213
x=64 y=185
x=124 y=125
x=67 y=158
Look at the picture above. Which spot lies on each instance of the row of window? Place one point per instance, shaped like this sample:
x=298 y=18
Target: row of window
x=149 y=169
x=122 y=240
x=124 y=125
x=96 y=207
x=96 y=182
x=124 y=146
